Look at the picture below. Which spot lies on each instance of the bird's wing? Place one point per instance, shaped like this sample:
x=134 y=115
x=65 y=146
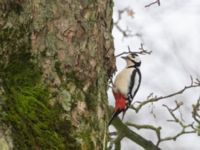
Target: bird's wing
x=135 y=83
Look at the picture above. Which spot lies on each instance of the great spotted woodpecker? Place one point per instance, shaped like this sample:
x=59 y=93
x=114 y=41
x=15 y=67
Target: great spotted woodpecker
x=126 y=84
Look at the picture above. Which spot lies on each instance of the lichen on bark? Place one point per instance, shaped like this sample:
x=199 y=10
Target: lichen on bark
x=56 y=59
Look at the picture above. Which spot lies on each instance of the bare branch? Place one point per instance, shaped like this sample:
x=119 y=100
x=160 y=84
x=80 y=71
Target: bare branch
x=141 y=51
x=156 y=2
x=124 y=131
x=196 y=111
x=127 y=32
x=186 y=128
x=197 y=81
x=147 y=126
x=171 y=111
x=152 y=98
x=150 y=127
x=182 y=132
x=191 y=78
x=122 y=54
x=152 y=110
x=118 y=142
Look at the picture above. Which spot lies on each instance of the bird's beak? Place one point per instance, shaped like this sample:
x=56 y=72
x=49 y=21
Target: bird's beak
x=124 y=57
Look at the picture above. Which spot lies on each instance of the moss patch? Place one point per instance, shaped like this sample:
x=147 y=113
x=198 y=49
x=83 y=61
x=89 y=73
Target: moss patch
x=91 y=98
x=27 y=109
x=34 y=123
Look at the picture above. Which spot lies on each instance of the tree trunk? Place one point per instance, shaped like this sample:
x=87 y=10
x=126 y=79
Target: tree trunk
x=56 y=59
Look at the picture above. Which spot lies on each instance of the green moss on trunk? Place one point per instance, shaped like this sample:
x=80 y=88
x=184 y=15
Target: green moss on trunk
x=56 y=58
x=34 y=123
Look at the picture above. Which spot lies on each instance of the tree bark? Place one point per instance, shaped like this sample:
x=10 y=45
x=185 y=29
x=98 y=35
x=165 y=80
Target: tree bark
x=56 y=59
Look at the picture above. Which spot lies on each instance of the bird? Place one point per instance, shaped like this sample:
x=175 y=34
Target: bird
x=126 y=84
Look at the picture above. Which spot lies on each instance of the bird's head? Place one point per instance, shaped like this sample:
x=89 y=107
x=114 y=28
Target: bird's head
x=132 y=59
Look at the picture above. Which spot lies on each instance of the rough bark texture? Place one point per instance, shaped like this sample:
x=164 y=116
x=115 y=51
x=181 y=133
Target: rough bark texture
x=56 y=59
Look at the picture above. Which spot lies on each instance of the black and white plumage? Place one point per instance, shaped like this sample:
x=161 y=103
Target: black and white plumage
x=126 y=85
x=127 y=82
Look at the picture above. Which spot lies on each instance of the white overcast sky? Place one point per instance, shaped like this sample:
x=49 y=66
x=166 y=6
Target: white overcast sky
x=172 y=32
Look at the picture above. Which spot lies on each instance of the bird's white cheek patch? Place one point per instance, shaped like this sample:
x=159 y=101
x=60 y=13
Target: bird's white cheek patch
x=137 y=59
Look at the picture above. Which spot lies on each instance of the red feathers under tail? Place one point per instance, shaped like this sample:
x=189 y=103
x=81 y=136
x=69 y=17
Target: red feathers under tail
x=120 y=105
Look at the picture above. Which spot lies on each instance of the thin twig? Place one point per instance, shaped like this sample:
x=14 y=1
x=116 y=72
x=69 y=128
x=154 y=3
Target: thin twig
x=196 y=111
x=141 y=51
x=152 y=110
x=146 y=126
x=157 y=1
x=186 y=128
x=171 y=111
x=122 y=54
x=182 y=132
x=127 y=32
x=155 y=98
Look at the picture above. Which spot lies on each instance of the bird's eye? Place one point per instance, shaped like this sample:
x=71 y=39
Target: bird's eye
x=133 y=55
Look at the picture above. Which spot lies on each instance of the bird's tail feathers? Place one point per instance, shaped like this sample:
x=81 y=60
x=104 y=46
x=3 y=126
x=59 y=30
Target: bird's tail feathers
x=113 y=116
